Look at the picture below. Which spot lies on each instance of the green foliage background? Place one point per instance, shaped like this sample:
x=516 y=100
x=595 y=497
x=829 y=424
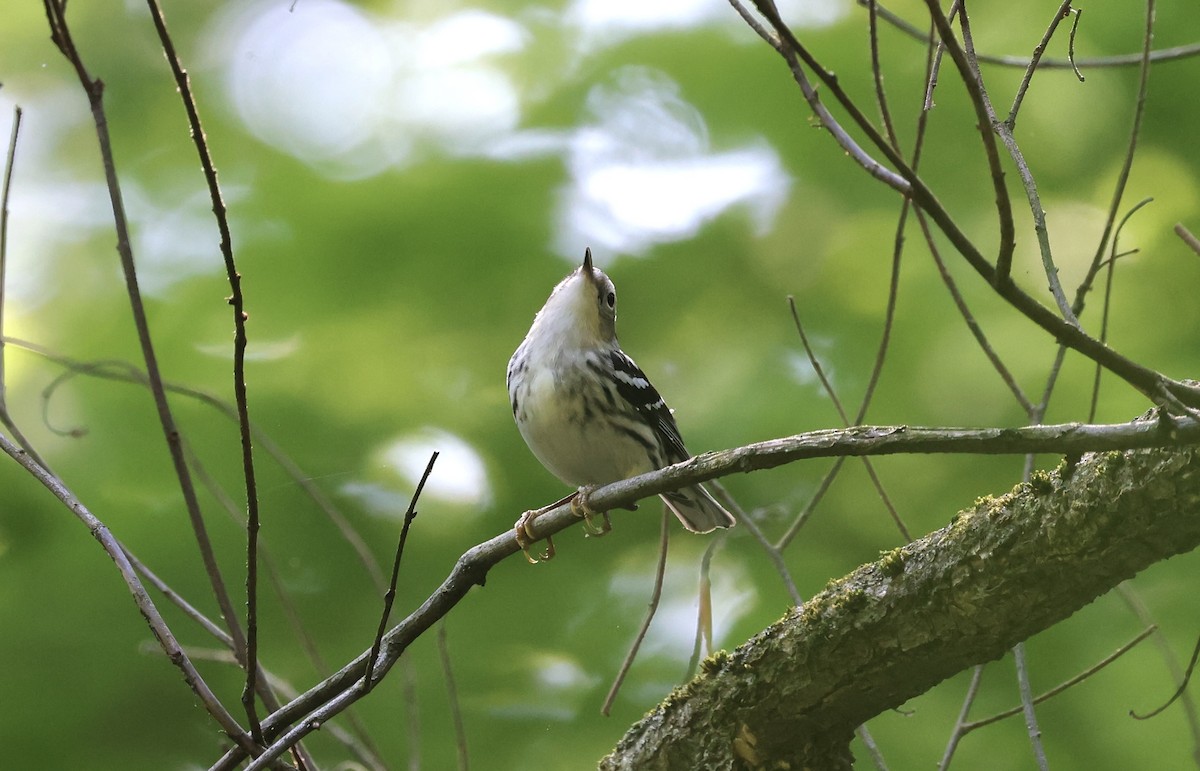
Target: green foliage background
x=385 y=305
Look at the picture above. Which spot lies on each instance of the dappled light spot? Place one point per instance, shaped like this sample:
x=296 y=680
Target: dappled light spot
x=673 y=631
x=354 y=94
x=608 y=22
x=554 y=686
x=256 y=350
x=459 y=477
x=643 y=172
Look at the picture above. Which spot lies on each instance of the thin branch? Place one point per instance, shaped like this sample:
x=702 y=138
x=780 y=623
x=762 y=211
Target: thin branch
x=390 y=597
x=1086 y=284
x=1175 y=53
x=973 y=326
x=1106 y=305
x=1179 y=691
x=236 y=300
x=125 y=372
x=1031 y=722
x=158 y=626
x=876 y=370
x=94 y=89
x=1187 y=237
x=10 y=161
x=809 y=508
x=460 y=732
x=1127 y=164
x=960 y=724
x=704 y=590
x=660 y=571
x=972 y=80
x=947 y=279
x=868 y=741
x=774 y=552
x=1134 y=602
x=828 y=122
x=1150 y=383
x=881 y=100
x=362 y=746
x=1070 y=683
x=6 y=419
x=1071 y=44
x=1005 y=132
x=1063 y=11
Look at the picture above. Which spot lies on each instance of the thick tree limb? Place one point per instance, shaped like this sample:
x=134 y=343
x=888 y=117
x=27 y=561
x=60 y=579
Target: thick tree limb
x=1000 y=572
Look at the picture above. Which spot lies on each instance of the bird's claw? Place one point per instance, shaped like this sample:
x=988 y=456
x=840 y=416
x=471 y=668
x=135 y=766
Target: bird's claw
x=523 y=530
x=581 y=509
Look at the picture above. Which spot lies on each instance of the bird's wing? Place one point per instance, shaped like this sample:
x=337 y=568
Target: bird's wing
x=636 y=388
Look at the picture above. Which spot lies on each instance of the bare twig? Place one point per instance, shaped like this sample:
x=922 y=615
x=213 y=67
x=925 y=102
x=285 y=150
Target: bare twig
x=790 y=52
x=1127 y=164
x=1187 y=237
x=158 y=626
x=236 y=300
x=1005 y=132
x=660 y=571
x=1183 y=684
x=1148 y=382
x=6 y=419
x=362 y=745
x=878 y=368
x=774 y=552
x=1063 y=11
x=1173 y=53
x=1070 y=683
x=704 y=590
x=1071 y=43
x=1134 y=602
x=125 y=372
x=10 y=161
x=947 y=279
x=809 y=508
x=960 y=724
x=972 y=79
x=1106 y=305
x=868 y=741
x=460 y=732
x=390 y=597
x=94 y=89
x=1031 y=723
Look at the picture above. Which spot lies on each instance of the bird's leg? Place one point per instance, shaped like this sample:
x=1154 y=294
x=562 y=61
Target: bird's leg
x=523 y=530
x=581 y=509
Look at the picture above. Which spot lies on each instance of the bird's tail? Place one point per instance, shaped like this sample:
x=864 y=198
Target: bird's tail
x=697 y=510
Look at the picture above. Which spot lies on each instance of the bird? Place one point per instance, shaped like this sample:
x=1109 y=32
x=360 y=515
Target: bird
x=589 y=413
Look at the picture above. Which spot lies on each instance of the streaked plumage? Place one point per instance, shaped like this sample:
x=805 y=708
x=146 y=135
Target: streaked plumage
x=586 y=410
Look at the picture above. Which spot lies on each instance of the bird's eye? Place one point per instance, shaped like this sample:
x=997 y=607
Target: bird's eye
x=612 y=299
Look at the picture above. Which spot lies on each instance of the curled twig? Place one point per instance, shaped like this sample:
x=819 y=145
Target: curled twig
x=1183 y=684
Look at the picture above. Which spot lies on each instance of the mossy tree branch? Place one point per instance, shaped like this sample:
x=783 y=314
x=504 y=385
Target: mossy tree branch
x=1001 y=571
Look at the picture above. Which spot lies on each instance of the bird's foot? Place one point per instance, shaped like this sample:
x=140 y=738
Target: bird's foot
x=523 y=530
x=582 y=509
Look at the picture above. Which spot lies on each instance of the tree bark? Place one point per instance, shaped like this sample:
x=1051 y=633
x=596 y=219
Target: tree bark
x=1000 y=572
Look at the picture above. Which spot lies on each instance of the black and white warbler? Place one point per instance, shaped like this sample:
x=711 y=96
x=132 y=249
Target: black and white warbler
x=587 y=411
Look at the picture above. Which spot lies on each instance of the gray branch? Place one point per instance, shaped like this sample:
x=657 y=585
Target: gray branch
x=331 y=696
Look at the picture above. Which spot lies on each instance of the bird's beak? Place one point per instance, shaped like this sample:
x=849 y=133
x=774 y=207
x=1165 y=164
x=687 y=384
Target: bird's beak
x=587 y=262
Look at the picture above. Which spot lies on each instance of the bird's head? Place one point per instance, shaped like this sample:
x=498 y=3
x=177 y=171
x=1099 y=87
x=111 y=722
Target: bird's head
x=582 y=309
